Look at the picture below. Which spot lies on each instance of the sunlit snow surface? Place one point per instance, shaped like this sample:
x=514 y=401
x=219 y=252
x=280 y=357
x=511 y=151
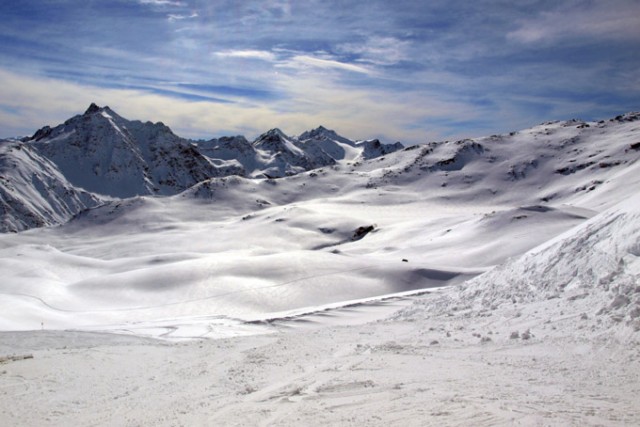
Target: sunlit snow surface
x=499 y=286
x=231 y=250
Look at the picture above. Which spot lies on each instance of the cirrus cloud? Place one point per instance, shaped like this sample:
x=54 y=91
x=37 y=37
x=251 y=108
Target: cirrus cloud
x=247 y=54
x=307 y=61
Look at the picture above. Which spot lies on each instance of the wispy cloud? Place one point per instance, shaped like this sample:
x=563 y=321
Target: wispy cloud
x=176 y=17
x=248 y=54
x=378 y=50
x=294 y=60
x=162 y=2
x=306 y=62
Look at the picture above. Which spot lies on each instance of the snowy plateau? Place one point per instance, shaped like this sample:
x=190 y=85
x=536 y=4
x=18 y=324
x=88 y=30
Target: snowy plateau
x=148 y=279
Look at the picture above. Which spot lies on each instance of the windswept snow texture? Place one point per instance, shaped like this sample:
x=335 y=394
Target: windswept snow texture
x=489 y=281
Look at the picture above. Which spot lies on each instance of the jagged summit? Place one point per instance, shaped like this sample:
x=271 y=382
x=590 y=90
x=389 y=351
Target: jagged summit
x=320 y=131
x=323 y=133
x=93 y=108
x=106 y=154
x=275 y=140
x=276 y=132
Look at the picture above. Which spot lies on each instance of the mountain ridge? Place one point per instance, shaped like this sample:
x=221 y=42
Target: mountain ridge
x=100 y=156
x=103 y=155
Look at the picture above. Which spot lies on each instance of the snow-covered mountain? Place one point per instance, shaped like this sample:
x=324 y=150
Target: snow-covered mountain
x=591 y=271
x=101 y=155
x=562 y=162
x=281 y=155
x=104 y=153
x=275 y=154
x=33 y=191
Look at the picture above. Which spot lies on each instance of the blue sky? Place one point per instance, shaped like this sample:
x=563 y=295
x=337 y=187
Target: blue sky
x=413 y=71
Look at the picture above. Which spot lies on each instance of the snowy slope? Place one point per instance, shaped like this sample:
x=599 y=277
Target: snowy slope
x=33 y=192
x=588 y=275
x=490 y=281
x=248 y=248
x=550 y=338
x=551 y=164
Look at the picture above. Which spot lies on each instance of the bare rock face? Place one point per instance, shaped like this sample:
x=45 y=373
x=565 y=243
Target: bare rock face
x=374 y=148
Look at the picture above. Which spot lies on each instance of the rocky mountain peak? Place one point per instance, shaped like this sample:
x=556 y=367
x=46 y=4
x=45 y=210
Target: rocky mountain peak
x=275 y=133
x=93 y=108
x=317 y=133
x=272 y=140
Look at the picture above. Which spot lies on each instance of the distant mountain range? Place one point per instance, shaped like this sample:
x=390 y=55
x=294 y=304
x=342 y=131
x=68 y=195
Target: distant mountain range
x=98 y=157
x=91 y=158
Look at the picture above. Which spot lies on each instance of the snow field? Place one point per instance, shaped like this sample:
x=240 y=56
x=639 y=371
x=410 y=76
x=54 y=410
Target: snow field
x=498 y=286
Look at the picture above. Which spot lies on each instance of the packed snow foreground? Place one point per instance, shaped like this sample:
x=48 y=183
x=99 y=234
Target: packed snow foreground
x=316 y=280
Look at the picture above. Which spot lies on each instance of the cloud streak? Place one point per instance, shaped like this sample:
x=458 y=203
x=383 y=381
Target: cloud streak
x=162 y=2
x=304 y=62
x=247 y=54
x=175 y=17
